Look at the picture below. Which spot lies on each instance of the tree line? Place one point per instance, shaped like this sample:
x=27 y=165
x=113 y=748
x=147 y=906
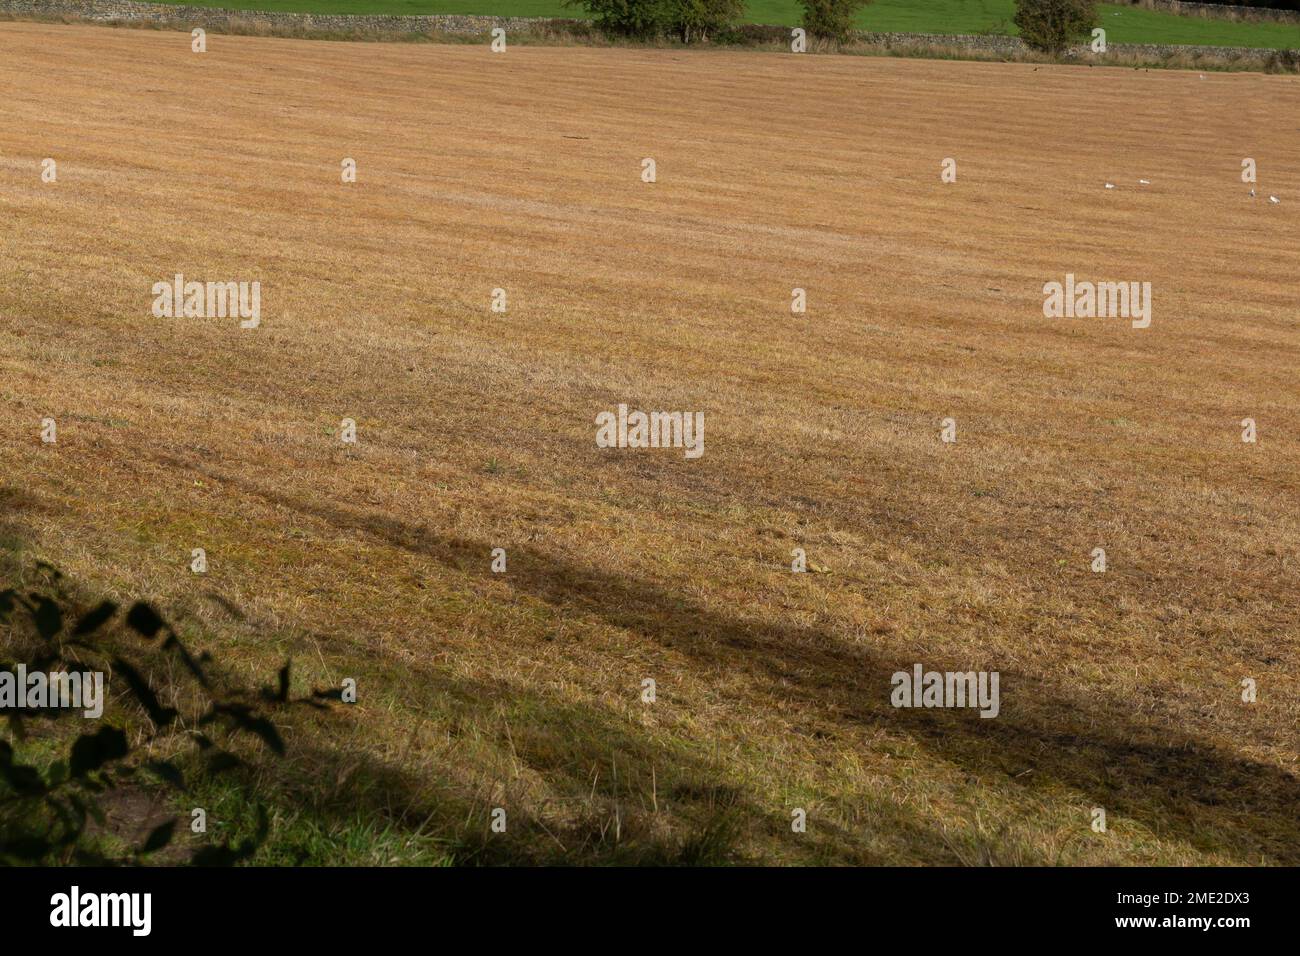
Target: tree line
x=1046 y=25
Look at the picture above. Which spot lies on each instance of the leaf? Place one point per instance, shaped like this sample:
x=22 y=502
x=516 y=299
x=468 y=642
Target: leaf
x=93 y=620
x=25 y=781
x=168 y=771
x=173 y=642
x=242 y=716
x=144 y=619
x=160 y=837
x=46 y=615
x=223 y=760
x=266 y=730
x=92 y=751
x=28 y=847
x=215 y=856
x=53 y=573
x=160 y=715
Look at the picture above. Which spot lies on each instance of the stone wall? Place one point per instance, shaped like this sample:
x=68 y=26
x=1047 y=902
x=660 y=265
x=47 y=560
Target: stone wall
x=1220 y=11
x=988 y=44
x=131 y=11
x=1011 y=46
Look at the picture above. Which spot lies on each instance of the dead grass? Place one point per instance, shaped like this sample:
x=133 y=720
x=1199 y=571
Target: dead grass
x=476 y=431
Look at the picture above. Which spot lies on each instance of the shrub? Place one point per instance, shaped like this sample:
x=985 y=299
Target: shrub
x=1052 y=25
x=831 y=19
x=697 y=19
x=634 y=18
x=644 y=19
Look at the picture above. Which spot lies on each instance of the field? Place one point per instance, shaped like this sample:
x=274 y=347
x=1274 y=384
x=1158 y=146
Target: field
x=475 y=430
x=1124 y=24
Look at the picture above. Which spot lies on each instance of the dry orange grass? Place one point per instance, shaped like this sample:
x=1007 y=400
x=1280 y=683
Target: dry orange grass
x=476 y=430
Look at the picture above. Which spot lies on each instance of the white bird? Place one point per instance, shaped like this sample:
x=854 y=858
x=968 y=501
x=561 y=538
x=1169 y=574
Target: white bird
x=1273 y=199
x=1252 y=194
x=1202 y=76
x=1145 y=182
x=1110 y=185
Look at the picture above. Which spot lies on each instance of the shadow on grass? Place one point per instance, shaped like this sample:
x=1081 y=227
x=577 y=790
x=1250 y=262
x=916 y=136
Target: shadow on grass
x=1173 y=783
x=614 y=795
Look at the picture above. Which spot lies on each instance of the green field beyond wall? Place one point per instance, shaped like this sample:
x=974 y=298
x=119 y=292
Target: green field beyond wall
x=1123 y=24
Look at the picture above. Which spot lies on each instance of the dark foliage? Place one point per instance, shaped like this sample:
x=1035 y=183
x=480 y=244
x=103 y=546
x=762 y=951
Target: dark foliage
x=687 y=20
x=46 y=812
x=1051 y=26
x=831 y=19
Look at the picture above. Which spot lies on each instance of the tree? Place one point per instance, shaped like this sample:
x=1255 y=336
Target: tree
x=696 y=19
x=644 y=19
x=1052 y=25
x=831 y=19
x=633 y=18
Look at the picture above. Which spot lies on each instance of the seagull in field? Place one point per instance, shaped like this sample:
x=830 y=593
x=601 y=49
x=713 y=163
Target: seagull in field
x=1274 y=199
x=1252 y=194
x=1145 y=182
x=1110 y=185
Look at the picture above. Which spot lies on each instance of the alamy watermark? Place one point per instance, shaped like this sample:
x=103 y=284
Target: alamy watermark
x=38 y=690
x=923 y=688
x=75 y=908
x=1099 y=300
x=209 y=300
x=651 y=430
